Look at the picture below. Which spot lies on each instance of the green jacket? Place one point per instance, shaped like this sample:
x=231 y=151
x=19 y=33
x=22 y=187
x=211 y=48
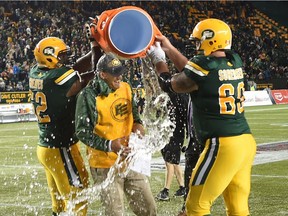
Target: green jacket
x=102 y=114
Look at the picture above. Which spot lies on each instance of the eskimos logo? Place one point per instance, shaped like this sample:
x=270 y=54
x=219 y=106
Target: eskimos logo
x=121 y=109
x=278 y=96
x=48 y=51
x=207 y=34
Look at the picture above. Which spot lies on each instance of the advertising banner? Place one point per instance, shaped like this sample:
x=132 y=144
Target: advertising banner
x=14 y=97
x=280 y=96
x=256 y=98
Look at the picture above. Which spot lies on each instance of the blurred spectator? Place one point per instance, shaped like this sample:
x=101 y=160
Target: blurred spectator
x=2 y=84
x=16 y=71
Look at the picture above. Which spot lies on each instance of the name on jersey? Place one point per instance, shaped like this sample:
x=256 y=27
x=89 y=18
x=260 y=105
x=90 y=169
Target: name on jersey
x=230 y=74
x=36 y=83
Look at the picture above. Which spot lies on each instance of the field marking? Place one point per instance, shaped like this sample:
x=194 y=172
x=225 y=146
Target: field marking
x=24 y=136
x=280 y=124
x=260 y=110
x=18 y=129
x=260 y=129
x=276 y=142
x=30 y=207
x=267 y=176
x=24 y=206
x=23 y=166
x=19 y=147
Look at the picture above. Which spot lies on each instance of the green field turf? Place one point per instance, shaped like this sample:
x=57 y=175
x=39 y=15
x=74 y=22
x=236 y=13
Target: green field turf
x=23 y=189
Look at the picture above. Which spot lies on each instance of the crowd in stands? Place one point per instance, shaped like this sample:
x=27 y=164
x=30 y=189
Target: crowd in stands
x=24 y=23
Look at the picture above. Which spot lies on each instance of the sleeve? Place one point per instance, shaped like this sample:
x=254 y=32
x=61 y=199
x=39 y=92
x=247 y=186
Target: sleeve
x=196 y=68
x=85 y=120
x=68 y=75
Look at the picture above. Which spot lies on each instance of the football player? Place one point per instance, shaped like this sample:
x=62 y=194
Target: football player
x=214 y=79
x=53 y=86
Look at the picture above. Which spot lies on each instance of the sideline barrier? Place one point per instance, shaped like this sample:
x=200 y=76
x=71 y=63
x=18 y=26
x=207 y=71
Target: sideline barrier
x=257 y=98
x=16 y=113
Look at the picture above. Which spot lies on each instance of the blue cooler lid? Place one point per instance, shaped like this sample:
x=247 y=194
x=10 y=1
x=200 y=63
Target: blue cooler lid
x=130 y=32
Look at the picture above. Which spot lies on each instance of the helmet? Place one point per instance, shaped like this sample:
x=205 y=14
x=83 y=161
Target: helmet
x=49 y=52
x=212 y=35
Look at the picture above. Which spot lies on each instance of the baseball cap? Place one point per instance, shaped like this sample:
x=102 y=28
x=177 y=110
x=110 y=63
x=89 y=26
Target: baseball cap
x=110 y=64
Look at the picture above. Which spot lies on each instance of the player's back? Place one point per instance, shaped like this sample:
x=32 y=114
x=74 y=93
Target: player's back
x=217 y=104
x=55 y=111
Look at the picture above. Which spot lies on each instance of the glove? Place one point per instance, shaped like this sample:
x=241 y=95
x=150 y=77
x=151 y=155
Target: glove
x=88 y=31
x=96 y=52
x=156 y=54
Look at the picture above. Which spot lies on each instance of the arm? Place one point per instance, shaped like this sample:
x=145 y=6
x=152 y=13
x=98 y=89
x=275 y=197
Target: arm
x=84 y=64
x=178 y=83
x=173 y=54
x=87 y=62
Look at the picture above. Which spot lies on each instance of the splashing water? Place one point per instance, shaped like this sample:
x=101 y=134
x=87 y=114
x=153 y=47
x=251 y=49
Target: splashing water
x=159 y=128
x=156 y=113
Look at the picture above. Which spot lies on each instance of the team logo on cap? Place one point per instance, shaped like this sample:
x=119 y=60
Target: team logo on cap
x=115 y=63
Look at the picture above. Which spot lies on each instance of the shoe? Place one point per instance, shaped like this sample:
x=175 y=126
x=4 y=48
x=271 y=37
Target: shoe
x=163 y=195
x=180 y=192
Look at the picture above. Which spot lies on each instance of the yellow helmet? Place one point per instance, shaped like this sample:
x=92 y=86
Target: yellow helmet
x=212 y=34
x=49 y=52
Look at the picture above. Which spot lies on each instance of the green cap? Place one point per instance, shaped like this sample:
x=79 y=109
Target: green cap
x=110 y=64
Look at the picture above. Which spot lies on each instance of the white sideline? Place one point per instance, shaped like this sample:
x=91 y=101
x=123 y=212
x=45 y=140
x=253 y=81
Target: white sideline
x=263 y=157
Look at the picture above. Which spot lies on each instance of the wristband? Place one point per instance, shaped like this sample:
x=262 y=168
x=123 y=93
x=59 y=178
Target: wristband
x=164 y=80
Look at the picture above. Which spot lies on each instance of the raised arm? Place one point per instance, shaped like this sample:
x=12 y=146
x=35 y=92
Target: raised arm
x=178 y=83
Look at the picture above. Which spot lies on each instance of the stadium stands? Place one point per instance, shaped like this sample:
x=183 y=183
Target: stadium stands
x=24 y=23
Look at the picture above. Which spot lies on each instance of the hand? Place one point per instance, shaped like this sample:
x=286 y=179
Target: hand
x=165 y=43
x=88 y=31
x=138 y=129
x=156 y=54
x=120 y=143
x=125 y=151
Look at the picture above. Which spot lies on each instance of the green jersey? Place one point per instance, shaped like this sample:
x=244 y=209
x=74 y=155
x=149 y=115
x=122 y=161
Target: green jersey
x=218 y=103
x=55 y=111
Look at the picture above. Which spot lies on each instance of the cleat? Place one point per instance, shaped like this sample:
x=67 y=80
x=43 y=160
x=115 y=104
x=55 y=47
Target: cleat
x=163 y=195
